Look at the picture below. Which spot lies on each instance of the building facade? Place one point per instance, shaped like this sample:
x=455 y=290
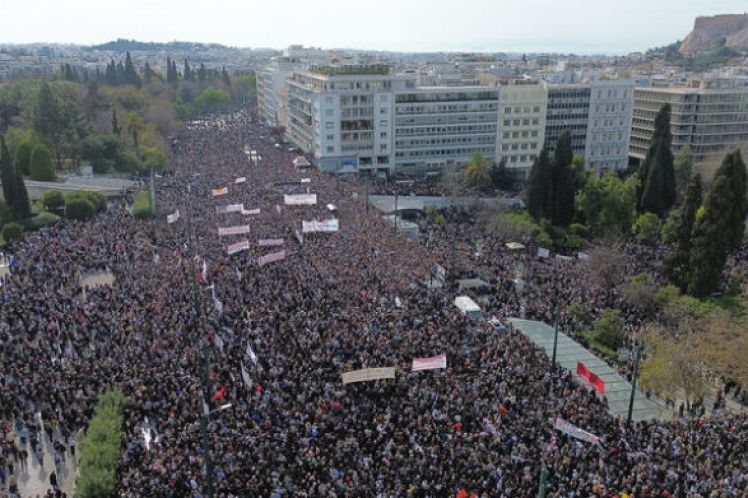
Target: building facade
x=272 y=90
x=439 y=127
x=568 y=110
x=521 y=124
x=709 y=121
x=609 y=129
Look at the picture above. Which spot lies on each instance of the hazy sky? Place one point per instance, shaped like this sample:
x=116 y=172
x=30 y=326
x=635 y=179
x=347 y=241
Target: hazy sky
x=406 y=25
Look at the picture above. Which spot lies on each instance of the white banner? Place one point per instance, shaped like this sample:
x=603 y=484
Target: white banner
x=242 y=245
x=543 y=252
x=434 y=362
x=330 y=225
x=574 y=431
x=172 y=218
x=306 y=180
x=229 y=208
x=235 y=230
x=271 y=258
x=270 y=242
x=366 y=374
x=300 y=199
x=219 y=191
x=241 y=179
x=247 y=212
x=245 y=375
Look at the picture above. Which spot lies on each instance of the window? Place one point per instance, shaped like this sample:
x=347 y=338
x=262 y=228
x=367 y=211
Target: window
x=383 y=122
x=534 y=133
x=507 y=122
x=505 y=147
x=515 y=134
x=328 y=112
x=506 y=134
x=536 y=108
x=328 y=99
x=536 y=121
x=331 y=137
x=507 y=110
x=383 y=147
x=383 y=110
x=516 y=122
x=383 y=134
x=329 y=125
x=383 y=98
x=330 y=148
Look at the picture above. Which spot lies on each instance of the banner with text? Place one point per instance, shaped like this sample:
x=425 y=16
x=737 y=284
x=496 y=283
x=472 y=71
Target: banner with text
x=367 y=374
x=326 y=226
x=172 y=218
x=270 y=242
x=229 y=208
x=574 y=431
x=236 y=247
x=300 y=199
x=219 y=191
x=271 y=258
x=236 y=230
x=432 y=363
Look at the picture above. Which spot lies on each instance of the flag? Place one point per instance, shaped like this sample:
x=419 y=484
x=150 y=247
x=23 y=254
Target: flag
x=219 y=191
x=245 y=376
x=206 y=409
x=217 y=303
x=431 y=363
x=590 y=377
x=205 y=271
x=220 y=394
x=503 y=410
x=218 y=341
x=251 y=354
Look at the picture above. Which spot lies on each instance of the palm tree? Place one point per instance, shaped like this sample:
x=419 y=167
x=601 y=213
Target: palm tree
x=479 y=172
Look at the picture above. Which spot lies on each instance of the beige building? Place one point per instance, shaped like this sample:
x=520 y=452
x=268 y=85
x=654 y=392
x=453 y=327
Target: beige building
x=521 y=130
x=709 y=121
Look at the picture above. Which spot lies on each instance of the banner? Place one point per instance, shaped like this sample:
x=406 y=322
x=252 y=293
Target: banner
x=245 y=375
x=300 y=199
x=247 y=212
x=172 y=218
x=229 y=208
x=326 y=226
x=235 y=230
x=241 y=179
x=271 y=258
x=543 y=252
x=242 y=245
x=249 y=352
x=432 y=363
x=219 y=191
x=367 y=374
x=574 y=431
x=591 y=378
x=306 y=180
x=270 y=242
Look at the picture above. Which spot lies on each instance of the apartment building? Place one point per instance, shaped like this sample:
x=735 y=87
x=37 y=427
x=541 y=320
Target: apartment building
x=609 y=127
x=342 y=116
x=521 y=124
x=710 y=121
x=439 y=126
x=272 y=90
x=568 y=110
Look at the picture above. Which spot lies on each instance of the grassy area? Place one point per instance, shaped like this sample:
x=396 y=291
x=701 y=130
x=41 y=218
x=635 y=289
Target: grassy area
x=601 y=348
x=732 y=303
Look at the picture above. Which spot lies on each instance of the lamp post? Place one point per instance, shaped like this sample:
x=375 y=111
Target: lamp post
x=634 y=376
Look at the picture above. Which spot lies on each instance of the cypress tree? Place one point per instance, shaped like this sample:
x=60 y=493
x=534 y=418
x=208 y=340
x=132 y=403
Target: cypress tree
x=168 y=70
x=657 y=171
x=174 y=74
x=116 y=129
x=23 y=157
x=720 y=230
x=225 y=77
x=201 y=73
x=7 y=175
x=147 y=72
x=187 y=71
x=676 y=263
x=562 y=182
x=539 y=187
x=130 y=74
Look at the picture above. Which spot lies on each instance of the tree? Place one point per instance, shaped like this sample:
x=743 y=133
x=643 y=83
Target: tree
x=42 y=168
x=7 y=175
x=608 y=204
x=647 y=228
x=48 y=118
x=720 y=229
x=539 y=187
x=683 y=166
x=147 y=72
x=501 y=177
x=201 y=73
x=723 y=344
x=79 y=209
x=131 y=75
x=225 y=78
x=608 y=329
x=478 y=172
x=188 y=76
x=657 y=171
x=580 y=172
x=23 y=157
x=639 y=293
x=562 y=182
x=116 y=128
x=676 y=263
x=103 y=151
x=606 y=265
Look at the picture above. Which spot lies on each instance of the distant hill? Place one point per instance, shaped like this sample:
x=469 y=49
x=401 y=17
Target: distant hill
x=122 y=45
x=709 y=33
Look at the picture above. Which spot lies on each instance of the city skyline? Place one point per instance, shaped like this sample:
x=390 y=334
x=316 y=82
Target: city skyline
x=579 y=26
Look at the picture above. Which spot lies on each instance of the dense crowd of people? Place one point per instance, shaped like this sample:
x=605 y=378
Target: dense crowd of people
x=280 y=335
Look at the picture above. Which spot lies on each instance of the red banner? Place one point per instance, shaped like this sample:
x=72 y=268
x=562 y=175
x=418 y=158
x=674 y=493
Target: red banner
x=592 y=379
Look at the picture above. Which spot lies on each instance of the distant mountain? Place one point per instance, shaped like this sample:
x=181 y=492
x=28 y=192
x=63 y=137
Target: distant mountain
x=709 y=33
x=122 y=45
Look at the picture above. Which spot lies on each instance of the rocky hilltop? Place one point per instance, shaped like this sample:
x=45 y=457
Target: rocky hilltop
x=729 y=30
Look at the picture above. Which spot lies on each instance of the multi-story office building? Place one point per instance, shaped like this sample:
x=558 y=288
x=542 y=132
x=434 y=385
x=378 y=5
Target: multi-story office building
x=609 y=128
x=710 y=121
x=343 y=115
x=568 y=110
x=521 y=130
x=438 y=126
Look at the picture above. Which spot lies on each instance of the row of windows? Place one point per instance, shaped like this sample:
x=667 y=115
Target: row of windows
x=447 y=130
x=420 y=109
x=525 y=109
x=523 y=122
x=444 y=141
x=527 y=146
x=523 y=134
x=445 y=152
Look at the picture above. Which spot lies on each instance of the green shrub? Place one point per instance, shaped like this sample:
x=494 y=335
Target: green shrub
x=23 y=157
x=142 y=206
x=43 y=219
x=41 y=168
x=79 y=209
x=647 y=228
x=98 y=199
x=12 y=231
x=5 y=213
x=100 y=448
x=608 y=330
x=53 y=200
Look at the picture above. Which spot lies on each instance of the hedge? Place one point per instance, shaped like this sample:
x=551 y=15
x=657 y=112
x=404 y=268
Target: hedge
x=100 y=448
x=97 y=199
x=41 y=167
x=53 y=200
x=142 y=208
x=12 y=231
x=79 y=209
x=42 y=220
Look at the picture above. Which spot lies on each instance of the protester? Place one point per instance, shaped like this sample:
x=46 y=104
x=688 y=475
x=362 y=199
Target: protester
x=285 y=333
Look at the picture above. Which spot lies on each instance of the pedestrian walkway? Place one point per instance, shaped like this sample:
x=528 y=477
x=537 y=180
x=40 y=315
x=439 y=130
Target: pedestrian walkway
x=569 y=352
